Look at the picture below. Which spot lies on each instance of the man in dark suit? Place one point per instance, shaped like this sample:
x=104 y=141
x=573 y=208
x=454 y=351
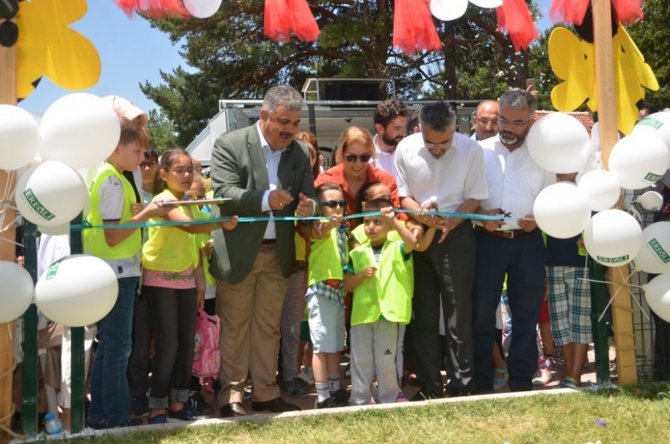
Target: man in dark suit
x=264 y=172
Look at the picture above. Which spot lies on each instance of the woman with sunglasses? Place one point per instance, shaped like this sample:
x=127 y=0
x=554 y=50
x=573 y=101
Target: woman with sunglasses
x=354 y=170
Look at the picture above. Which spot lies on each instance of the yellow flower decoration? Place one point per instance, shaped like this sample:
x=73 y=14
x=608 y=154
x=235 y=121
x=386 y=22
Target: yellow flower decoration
x=48 y=47
x=573 y=61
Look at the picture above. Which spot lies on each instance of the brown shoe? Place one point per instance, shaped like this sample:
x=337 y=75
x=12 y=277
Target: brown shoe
x=232 y=410
x=276 y=405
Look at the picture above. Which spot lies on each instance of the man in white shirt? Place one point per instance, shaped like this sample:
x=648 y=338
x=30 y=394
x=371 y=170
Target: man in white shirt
x=485 y=120
x=440 y=168
x=511 y=247
x=390 y=119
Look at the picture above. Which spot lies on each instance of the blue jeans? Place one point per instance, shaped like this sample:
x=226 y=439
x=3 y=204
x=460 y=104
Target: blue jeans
x=110 y=395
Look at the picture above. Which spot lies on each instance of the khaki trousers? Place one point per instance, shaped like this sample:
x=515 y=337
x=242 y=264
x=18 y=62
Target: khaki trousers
x=250 y=313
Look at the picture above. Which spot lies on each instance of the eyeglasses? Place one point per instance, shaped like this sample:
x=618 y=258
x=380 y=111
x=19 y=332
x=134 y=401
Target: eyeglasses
x=149 y=164
x=181 y=171
x=515 y=123
x=334 y=203
x=353 y=157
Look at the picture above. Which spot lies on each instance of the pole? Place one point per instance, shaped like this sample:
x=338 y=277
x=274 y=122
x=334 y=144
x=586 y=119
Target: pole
x=622 y=312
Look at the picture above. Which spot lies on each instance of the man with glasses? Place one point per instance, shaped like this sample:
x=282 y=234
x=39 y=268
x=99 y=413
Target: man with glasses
x=485 y=120
x=440 y=169
x=265 y=173
x=511 y=247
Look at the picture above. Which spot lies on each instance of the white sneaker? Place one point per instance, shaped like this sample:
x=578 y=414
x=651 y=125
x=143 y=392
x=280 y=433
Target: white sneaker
x=543 y=374
x=307 y=376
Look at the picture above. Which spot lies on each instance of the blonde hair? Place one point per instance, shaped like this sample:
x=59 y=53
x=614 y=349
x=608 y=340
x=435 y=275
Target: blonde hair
x=351 y=135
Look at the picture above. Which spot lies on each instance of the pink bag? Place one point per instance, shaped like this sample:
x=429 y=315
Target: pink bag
x=206 y=354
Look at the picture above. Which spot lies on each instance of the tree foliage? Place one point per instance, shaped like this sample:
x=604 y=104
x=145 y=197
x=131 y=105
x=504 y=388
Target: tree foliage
x=162 y=131
x=229 y=57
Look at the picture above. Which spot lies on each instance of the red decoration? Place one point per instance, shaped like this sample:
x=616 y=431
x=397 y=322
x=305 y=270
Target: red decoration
x=285 y=16
x=413 y=27
x=572 y=11
x=155 y=9
x=515 y=18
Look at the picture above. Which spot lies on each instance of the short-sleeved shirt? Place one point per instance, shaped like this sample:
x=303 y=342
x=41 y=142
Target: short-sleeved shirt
x=453 y=178
x=513 y=178
x=111 y=209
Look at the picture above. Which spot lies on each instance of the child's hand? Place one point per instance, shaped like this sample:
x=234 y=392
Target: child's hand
x=229 y=225
x=136 y=208
x=368 y=272
x=387 y=214
x=209 y=247
x=155 y=209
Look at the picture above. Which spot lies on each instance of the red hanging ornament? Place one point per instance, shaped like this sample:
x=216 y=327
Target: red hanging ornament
x=155 y=9
x=568 y=11
x=628 y=12
x=413 y=27
x=282 y=17
x=515 y=18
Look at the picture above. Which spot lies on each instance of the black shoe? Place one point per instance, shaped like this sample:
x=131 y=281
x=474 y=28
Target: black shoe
x=197 y=403
x=479 y=390
x=140 y=405
x=328 y=403
x=455 y=392
x=421 y=396
x=276 y=405
x=341 y=396
x=100 y=425
x=232 y=410
x=295 y=387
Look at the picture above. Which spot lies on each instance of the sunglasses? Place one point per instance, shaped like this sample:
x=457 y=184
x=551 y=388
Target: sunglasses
x=353 y=157
x=334 y=203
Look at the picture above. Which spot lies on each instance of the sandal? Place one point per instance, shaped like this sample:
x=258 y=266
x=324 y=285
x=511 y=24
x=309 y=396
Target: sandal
x=499 y=378
x=569 y=382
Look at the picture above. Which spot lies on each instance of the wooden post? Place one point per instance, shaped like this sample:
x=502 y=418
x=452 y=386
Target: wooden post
x=622 y=312
x=7 y=248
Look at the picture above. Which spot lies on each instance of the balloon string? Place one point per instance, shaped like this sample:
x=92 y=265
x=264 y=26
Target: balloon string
x=249 y=219
x=627 y=285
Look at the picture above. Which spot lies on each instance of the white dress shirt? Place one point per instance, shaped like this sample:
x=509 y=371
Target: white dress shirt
x=514 y=180
x=384 y=161
x=272 y=158
x=449 y=180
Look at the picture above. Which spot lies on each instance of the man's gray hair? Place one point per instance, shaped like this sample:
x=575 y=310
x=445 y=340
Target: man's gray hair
x=518 y=98
x=283 y=95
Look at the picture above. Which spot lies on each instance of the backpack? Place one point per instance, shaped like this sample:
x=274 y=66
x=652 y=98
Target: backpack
x=206 y=354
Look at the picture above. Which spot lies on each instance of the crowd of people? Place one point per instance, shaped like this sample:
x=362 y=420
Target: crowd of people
x=415 y=253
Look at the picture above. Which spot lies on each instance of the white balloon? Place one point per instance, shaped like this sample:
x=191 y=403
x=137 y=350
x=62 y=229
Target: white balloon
x=77 y=290
x=16 y=291
x=657 y=124
x=654 y=256
x=561 y=210
x=79 y=129
x=559 y=143
x=19 y=137
x=448 y=9
x=202 y=8
x=650 y=200
x=54 y=231
x=487 y=3
x=50 y=194
x=639 y=160
x=613 y=237
x=601 y=188
x=657 y=293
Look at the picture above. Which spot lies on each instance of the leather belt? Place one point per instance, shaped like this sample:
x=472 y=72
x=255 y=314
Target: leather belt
x=506 y=234
x=268 y=241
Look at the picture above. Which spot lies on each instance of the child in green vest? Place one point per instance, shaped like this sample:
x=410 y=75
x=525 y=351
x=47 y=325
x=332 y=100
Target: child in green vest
x=325 y=295
x=378 y=275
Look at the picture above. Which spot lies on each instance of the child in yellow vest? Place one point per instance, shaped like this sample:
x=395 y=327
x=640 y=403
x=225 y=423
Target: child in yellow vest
x=170 y=259
x=378 y=276
x=113 y=200
x=325 y=295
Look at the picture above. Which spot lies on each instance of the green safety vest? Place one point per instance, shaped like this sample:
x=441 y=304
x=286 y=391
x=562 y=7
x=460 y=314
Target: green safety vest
x=324 y=260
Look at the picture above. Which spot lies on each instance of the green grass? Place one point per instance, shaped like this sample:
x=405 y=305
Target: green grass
x=628 y=415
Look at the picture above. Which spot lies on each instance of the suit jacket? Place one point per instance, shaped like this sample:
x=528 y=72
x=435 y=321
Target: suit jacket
x=238 y=171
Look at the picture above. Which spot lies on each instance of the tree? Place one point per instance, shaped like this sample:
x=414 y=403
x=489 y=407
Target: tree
x=162 y=131
x=229 y=57
x=652 y=37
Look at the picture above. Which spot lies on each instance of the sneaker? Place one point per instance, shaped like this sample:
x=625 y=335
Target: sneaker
x=307 y=376
x=543 y=374
x=140 y=406
x=500 y=376
x=296 y=387
x=341 y=396
x=197 y=403
x=185 y=414
x=569 y=382
x=158 y=419
x=328 y=403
